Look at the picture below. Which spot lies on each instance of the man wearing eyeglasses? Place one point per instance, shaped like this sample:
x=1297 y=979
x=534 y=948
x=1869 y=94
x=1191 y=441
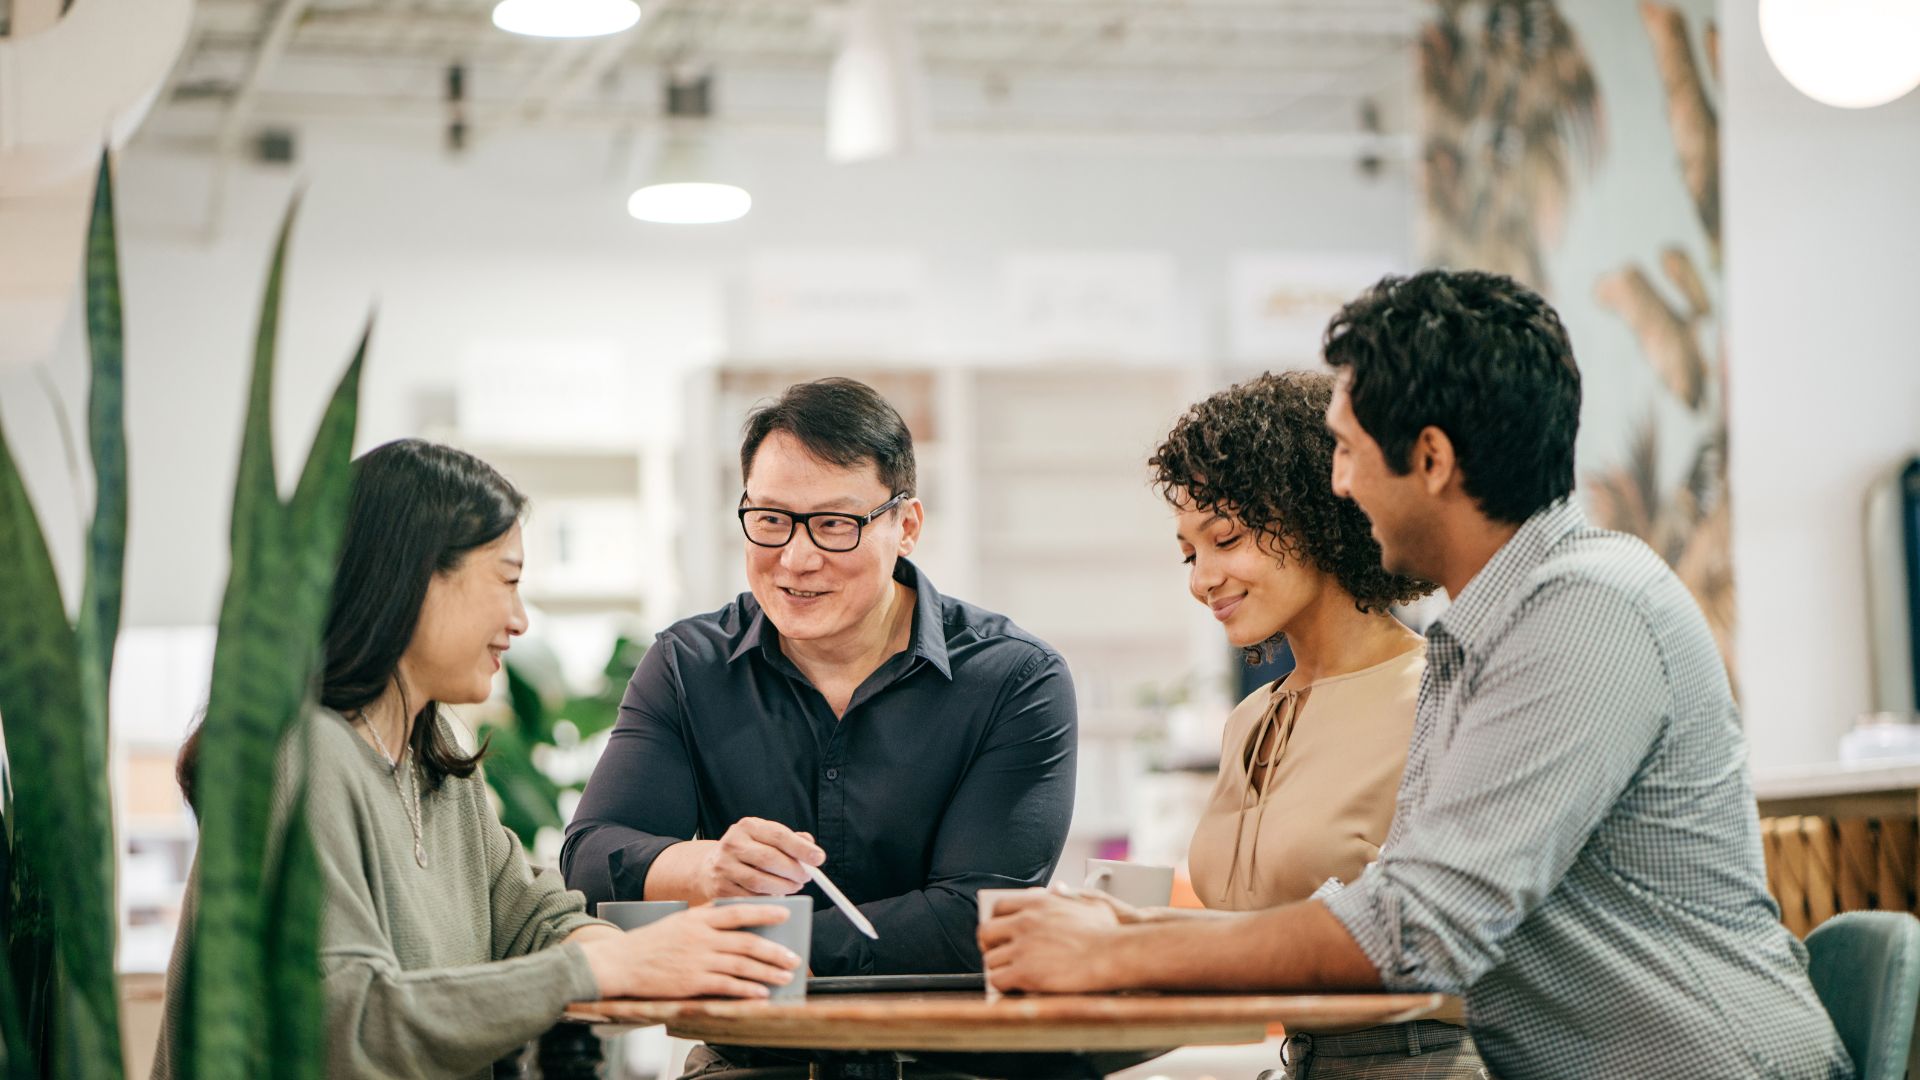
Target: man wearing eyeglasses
x=843 y=714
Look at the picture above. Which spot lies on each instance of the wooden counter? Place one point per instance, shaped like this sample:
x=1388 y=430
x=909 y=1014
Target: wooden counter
x=1840 y=838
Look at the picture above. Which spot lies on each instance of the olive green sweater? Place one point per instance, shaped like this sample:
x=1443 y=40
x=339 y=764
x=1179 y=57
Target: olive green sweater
x=432 y=972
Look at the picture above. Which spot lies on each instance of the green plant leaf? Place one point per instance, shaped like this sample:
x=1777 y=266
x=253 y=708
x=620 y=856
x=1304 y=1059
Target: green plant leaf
x=256 y=501
x=60 y=823
x=107 y=439
x=29 y=959
x=297 y=1005
x=317 y=521
x=19 y=1056
x=529 y=799
x=99 y=624
x=14 y=1063
x=319 y=508
x=591 y=715
x=529 y=708
x=626 y=656
x=10 y=1033
x=60 y=732
x=271 y=621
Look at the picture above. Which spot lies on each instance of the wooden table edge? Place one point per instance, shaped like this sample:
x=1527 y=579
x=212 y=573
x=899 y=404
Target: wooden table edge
x=969 y=1022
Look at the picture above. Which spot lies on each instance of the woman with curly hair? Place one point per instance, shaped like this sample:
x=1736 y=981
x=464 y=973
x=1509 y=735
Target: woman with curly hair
x=1309 y=763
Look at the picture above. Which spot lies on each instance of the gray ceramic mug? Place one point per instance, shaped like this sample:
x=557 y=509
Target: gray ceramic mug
x=796 y=934
x=634 y=914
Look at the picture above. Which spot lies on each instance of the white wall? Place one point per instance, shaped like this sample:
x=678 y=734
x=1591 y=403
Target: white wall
x=1823 y=336
x=528 y=237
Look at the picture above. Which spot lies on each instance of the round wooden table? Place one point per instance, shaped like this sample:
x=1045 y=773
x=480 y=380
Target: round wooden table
x=968 y=1021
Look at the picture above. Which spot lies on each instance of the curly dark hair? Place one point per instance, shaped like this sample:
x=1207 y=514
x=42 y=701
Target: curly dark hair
x=1260 y=452
x=1482 y=358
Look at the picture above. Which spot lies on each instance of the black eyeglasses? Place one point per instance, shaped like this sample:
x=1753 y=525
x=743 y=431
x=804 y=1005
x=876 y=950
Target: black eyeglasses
x=772 y=528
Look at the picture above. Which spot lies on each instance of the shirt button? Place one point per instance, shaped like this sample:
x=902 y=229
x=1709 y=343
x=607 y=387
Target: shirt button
x=833 y=774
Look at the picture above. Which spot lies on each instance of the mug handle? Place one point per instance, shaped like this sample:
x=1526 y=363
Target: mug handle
x=1099 y=879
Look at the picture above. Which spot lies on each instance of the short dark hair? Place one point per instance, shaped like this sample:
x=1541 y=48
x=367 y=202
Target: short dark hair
x=842 y=422
x=1482 y=358
x=1260 y=453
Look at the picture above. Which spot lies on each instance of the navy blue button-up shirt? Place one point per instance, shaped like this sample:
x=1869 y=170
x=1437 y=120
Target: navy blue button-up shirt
x=952 y=770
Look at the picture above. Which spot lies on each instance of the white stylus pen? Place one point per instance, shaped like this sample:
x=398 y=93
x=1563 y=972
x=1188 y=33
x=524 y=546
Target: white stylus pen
x=840 y=901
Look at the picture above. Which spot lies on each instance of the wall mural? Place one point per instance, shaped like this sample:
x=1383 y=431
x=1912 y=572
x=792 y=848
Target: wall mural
x=1577 y=148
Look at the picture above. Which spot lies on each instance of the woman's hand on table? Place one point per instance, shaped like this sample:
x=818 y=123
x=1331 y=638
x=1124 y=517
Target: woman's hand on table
x=1050 y=943
x=701 y=952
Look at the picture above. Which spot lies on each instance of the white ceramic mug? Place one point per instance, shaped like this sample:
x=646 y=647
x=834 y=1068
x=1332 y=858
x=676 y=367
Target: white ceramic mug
x=1137 y=884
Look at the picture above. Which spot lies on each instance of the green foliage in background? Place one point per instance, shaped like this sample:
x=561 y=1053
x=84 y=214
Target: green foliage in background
x=529 y=798
x=254 y=1005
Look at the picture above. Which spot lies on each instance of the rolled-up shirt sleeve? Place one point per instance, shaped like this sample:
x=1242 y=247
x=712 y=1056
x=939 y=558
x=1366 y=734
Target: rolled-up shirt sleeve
x=641 y=799
x=1548 y=737
x=1003 y=829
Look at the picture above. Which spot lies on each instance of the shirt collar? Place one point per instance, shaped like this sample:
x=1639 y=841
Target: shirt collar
x=1472 y=614
x=929 y=640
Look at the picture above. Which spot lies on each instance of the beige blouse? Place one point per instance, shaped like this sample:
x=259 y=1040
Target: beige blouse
x=1307 y=782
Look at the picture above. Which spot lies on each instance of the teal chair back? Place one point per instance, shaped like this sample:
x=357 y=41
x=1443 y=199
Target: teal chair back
x=1865 y=966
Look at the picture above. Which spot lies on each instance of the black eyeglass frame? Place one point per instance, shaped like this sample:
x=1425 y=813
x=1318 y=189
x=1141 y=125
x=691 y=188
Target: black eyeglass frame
x=795 y=521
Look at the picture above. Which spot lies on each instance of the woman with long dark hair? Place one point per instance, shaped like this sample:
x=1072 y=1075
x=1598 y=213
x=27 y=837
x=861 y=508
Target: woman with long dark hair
x=441 y=948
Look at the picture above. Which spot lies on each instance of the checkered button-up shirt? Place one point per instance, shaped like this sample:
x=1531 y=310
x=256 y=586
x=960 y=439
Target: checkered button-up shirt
x=1575 y=846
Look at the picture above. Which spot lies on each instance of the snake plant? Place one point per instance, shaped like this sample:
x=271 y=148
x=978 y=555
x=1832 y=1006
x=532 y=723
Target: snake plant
x=59 y=1011
x=253 y=1006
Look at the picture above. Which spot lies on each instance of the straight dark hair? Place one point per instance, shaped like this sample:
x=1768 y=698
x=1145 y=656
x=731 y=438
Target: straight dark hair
x=842 y=422
x=1482 y=358
x=416 y=510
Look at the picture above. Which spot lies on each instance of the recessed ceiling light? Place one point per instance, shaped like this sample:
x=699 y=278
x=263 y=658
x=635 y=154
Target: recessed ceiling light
x=689 y=203
x=684 y=187
x=566 y=18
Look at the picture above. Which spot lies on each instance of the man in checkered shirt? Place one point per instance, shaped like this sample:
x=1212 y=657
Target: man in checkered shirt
x=1575 y=847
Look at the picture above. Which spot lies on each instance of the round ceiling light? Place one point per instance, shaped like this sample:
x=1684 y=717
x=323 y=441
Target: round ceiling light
x=689 y=203
x=1853 y=54
x=566 y=18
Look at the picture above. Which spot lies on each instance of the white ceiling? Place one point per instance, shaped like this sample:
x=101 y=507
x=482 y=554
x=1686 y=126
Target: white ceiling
x=1270 y=72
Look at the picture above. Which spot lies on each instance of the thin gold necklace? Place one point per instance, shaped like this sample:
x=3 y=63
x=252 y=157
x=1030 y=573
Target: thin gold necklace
x=410 y=805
